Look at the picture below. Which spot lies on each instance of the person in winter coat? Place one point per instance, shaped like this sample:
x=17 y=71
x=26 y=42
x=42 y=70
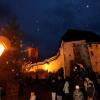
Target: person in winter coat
x=59 y=88
x=53 y=89
x=66 y=89
x=90 y=91
x=33 y=96
x=87 y=81
x=78 y=95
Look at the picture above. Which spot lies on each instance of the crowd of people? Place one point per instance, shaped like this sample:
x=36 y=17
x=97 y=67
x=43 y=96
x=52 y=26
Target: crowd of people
x=79 y=87
x=62 y=90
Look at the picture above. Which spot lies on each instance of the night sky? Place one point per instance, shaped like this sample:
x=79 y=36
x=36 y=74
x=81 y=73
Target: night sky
x=45 y=21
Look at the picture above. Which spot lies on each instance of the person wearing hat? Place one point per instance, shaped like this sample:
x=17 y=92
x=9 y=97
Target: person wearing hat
x=78 y=95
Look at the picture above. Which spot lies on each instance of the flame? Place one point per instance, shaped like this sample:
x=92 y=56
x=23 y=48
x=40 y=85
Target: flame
x=2 y=48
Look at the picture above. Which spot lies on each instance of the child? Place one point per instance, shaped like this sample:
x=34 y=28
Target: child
x=77 y=95
x=33 y=96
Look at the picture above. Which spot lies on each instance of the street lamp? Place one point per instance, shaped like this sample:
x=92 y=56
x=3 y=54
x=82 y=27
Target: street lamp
x=4 y=44
x=2 y=48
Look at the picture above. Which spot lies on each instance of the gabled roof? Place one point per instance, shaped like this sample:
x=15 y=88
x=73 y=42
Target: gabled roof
x=74 y=35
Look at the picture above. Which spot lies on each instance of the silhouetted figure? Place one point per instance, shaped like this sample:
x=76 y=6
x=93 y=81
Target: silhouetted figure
x=90 y=91
x=53 y=89
x=87 y=83
x=59 y=88
x=1 y=92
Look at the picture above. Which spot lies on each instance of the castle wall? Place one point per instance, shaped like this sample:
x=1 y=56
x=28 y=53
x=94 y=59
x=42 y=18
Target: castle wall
x=94 y=52
x=52 y=64
x=70 y=53
x=75 y=52
x=68 y=57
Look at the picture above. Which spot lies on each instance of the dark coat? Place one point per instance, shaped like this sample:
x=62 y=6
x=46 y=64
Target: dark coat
x=60 y=85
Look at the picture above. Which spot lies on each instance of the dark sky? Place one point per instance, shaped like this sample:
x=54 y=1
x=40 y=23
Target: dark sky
x=45 y=21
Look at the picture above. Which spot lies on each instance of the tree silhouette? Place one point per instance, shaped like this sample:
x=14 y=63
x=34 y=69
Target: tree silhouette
x=11 y=57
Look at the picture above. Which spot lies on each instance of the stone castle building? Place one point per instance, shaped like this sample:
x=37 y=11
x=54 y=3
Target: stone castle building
x=76 y=47
x=94 y=53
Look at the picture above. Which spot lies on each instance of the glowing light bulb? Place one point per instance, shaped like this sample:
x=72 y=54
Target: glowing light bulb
x=2 y=48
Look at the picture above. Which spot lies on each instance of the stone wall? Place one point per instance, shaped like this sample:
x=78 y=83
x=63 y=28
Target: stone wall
x=94 y=52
